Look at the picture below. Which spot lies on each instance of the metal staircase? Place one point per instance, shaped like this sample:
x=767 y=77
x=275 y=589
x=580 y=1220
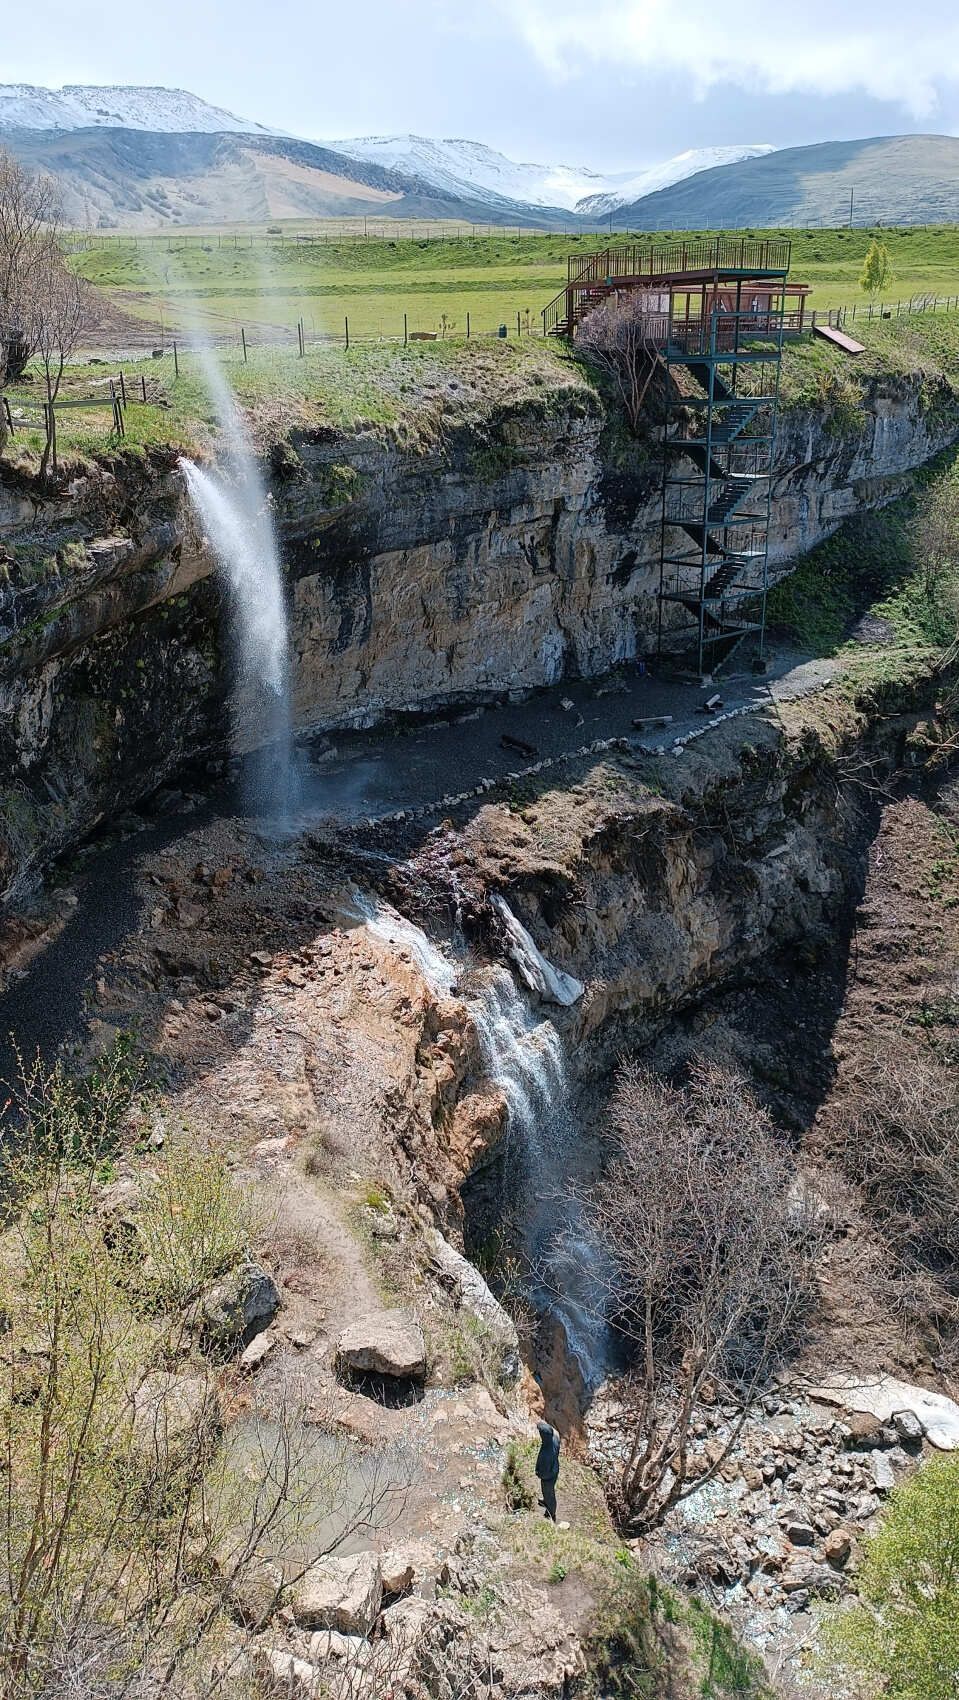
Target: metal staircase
x=722 y=390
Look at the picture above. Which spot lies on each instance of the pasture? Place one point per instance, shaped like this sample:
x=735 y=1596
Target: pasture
x=218 y=281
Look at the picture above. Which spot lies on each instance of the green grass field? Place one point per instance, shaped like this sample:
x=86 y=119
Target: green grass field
x=415 y=395
x=267 y=285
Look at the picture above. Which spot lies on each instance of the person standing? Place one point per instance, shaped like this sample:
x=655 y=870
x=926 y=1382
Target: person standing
x=547 y=1467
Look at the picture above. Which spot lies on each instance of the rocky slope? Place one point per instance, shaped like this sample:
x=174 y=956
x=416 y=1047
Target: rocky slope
x=518 y=550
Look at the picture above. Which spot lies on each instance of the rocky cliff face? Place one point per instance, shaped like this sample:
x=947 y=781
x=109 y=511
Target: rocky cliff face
x=522 y=551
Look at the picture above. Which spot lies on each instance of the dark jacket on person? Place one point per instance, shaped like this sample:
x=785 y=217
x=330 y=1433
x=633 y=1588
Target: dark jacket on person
x=547 y=1460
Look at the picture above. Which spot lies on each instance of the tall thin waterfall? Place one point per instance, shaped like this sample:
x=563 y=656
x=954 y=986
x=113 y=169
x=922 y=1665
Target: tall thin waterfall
x=525 y=1058
x=235 y=512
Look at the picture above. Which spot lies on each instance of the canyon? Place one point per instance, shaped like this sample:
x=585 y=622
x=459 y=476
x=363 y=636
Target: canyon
x=516 y=549
x=337 y=1006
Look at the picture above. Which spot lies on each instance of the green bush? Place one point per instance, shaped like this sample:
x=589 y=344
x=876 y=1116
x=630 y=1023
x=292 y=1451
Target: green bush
x=195 y=1223
x=903 y=1635
x=519 y=1494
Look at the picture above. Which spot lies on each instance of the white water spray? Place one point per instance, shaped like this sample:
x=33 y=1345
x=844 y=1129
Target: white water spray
x=235 y=512
x=525 y=1059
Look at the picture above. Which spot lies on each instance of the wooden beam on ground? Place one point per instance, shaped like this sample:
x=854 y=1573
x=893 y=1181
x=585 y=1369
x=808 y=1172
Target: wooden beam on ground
x=841 y=340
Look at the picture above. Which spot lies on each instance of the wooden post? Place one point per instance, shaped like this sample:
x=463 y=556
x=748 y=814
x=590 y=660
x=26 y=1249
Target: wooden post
x=243 y=340
x=346 y=323
x=143 y=386
x=467 y=327
x=518 y=331
x=123 y=388
x=6 y=409
x=176 y=362
x=406 y=330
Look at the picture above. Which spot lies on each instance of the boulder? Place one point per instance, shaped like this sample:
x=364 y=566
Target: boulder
x=464 y=1281
x=283 y=1673
x=330 y=1644
x=389 y=1344
x=171 y=1416
x=237 y=1307
x=340 y=1593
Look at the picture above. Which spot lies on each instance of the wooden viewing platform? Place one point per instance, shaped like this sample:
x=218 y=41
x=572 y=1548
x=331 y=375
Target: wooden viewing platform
x=723 y=274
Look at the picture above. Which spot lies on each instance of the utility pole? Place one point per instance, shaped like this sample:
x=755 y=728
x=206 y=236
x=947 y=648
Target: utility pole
x=852 y=198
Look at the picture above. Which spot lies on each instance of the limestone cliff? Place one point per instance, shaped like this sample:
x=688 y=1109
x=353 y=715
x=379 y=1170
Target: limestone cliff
x=520 y=550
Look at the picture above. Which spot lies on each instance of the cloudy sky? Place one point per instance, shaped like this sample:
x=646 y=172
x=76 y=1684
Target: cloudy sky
x=606 y=83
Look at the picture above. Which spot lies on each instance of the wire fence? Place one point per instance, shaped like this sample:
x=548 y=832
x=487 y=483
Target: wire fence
x=106 y=396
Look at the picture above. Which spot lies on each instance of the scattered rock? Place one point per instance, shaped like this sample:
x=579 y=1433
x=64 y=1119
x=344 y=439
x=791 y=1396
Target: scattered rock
x=883 y=1474
x=340 y=1593
x=800 y=1534
x=389 y=1344
x=259 y=1348
x=909 y=1429
x=837 y=1547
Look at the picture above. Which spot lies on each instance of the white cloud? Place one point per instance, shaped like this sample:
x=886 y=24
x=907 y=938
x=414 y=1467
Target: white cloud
x=883 y=49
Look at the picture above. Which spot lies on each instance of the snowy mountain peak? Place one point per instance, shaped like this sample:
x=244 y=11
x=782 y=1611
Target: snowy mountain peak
x=79 y=106
x=473 y=169
x=625 y=187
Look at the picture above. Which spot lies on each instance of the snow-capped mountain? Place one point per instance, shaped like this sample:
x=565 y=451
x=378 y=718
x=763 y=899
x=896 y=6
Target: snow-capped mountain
x=627 y=186
x=470 y=168
x=78 y=106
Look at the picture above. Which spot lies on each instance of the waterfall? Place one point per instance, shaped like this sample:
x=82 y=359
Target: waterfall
x=525 y=1059
x=235 y=513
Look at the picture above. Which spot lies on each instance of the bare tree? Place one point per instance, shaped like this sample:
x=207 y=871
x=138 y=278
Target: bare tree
x=56 y=315
x=623 y=337
x=42 y=302
x=714 y=1247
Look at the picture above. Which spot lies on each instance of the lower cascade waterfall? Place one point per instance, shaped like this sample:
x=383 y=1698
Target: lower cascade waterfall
x=525 y=1058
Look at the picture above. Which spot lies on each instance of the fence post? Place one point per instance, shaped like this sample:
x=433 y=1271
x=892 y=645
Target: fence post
x=143 y=385
x=406 y=330
x=346 y=323
x=243 y=340
x=123 y=388
x=518 y=331
x=467 y=327
x=176 y=363
x=6 y=409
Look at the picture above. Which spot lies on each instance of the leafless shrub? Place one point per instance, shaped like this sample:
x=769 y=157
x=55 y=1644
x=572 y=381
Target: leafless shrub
x=622 y=337
x=935 y=542
x=714 y=1247
x=896 y=1131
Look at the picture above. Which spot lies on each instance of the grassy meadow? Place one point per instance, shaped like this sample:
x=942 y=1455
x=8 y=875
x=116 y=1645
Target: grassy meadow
x=267 y=283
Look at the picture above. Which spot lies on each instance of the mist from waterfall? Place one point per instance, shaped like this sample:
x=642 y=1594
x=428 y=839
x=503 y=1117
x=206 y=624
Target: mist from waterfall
x=234 y=509
x=525 y=1058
